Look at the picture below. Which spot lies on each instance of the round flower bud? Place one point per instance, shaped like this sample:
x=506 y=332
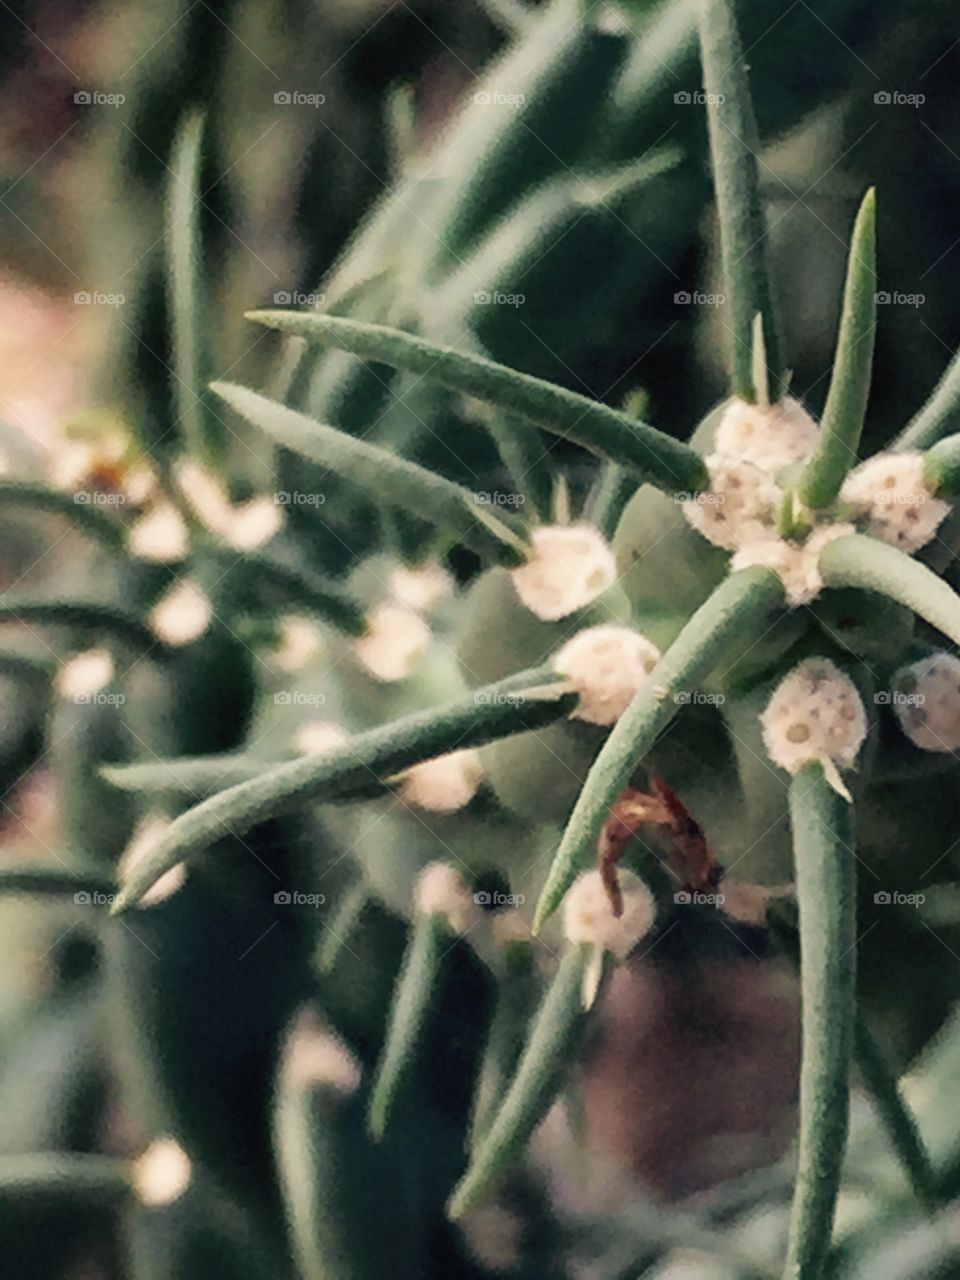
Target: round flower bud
x=299 y=640
x=182 y=615
x=889 y=493
x=608 y=665
x=796 y=564
x=83 y=676
x=815 y=713
x=160 y=535
x=445 y=784
x=928 y=702
x=396 y=639
x=162 y=1174
x=769 y=436
x=740 y=502
x=253 y=523
x=317 y=736
x=442 y=891
x=588 y=916
x=568 y=567
x=422 y=587
x=313 y=1056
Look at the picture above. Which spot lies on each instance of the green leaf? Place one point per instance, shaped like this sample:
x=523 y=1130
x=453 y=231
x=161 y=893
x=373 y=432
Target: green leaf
x=895 y=1115
x=938 y=416
x=720 y=630
x=548 y=1053
x=346 y=916
x=190 y=369
x=859 y=561
x=826 y=879
x=87 y=517
x=734 y=146
x=52 y=879
x=414 y=993
x=293 y=586
x=189 y=777
x=667 y=463
x=941 y=468
x=483 y=716
x=62 y=1178
x=84 y=615
x=846 y=405
x=385 y=477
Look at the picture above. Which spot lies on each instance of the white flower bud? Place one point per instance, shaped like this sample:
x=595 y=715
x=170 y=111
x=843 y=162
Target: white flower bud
x=928 y=707
x=740 y=502
x=244 y=527
x=445 y=784
x=421 y=588
x=796 y=564
x=815 y=713
x=608 y=665
x=770 y=437
x=588 y=916
x=182 y=614
x=162 y=1174
x=253 y=523
x=300 y=639
x=160 y=535
x=442 y=891
x=147 y=834
x=568 y=567
x=889 y=493
x=317 y=736
x=314 y=1056
x=84 y=675
x=395 y=640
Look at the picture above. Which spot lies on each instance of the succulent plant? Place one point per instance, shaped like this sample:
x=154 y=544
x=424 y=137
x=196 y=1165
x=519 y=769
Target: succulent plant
x=373 y=841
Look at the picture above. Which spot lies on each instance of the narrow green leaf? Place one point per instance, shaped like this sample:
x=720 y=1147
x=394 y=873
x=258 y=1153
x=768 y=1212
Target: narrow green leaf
x=941 y=468
x=477 y=718
x=293 y=586
x=89 y=518
x=52 y=879
x=859 y=561
x=718 y=633
x=346 y=915
x=734 y=146
x=826 y=879
x=415 y=991
x=62 y=1178
x=190 y=366
x=938 y=417
x=85 y=615
x=895 y=1115
x=385 y=477
x=188 y=777
x=665 y=462
x=614 y=488
x=526 y=460
x=549 y=1052
x=846 y=405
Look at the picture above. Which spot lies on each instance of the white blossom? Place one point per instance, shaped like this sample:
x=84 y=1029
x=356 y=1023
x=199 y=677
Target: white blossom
x=569 y=566
x=814 y=714
x=84 y=675
x=588 y=916
x=182 y=614
x=395 y=640
x=797 y=564
x=927 y=704
x=159 y=535
x=441 y=890
x=890 y=496
x=162 y=1174
x=608 y=665
x=739 y=503
x=769 y=436
x=445 y=784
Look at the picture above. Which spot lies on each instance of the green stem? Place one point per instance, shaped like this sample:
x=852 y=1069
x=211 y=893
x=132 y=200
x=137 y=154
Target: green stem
x=734 y=146
x=718 y=632
x=665 y=462
x=485 y=715
x=346 y=916
x=52 y=880
x=826 y=879
x=941 y=468
x=859 y=561
x=62 y=1178
x=938 y=416
x=846 y=405
x=85 y=615
x=895 y=1115
x=88 y=517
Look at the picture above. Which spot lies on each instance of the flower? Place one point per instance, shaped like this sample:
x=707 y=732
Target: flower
x=317 y=736
x=588 y=916
x=299 y=640
x=445 y=784
x=738 y=505
x=608 y=664
x=568 y=567
x=815 y=714
x=84 y=675
x=796 y=564
x=314 y=1056
x=160 y=535
x=162 y=1174
x=396 y=639
x=442 y=891
x=246 y=526
x=421 y=588
x=889 y=493
x=769 y=436
x=928 y=702
x=182 y=614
